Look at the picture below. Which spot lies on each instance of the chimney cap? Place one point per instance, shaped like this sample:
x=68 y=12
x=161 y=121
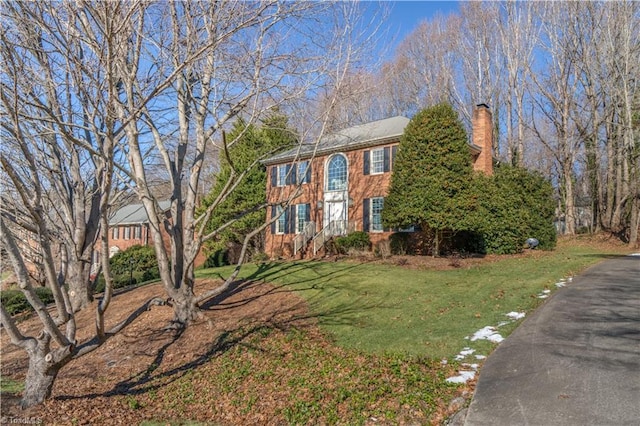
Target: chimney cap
x=483 y=105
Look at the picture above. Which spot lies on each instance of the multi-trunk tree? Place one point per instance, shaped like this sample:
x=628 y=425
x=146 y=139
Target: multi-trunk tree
x=94 y=92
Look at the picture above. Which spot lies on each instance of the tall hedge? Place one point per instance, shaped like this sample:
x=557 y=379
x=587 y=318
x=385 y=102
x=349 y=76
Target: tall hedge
x=431 y=174
x=515 y=204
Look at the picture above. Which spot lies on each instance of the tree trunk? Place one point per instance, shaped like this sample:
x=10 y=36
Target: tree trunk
x=78 y=281
x=185 y=308
x=44 y=366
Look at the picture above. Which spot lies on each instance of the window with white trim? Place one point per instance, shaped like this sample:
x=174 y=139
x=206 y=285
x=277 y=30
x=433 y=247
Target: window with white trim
x=281 y=223
x=115 y=232
x=376 y=214
x=337 y=173
x=377 y=161
x=302 y=212
x=127 y=232
x=137 y=233
x=303 y=176
x=282 y=175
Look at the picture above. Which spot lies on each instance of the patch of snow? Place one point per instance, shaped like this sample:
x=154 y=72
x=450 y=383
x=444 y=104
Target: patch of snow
x=543 y=296
x=546 y=291
x=463 y=353
x=560 y=284
x=463 y=377
x=570 y=279
x=634 y=254
x=487 y=333
x=480 y=357
x=444 y=362
x=501 y=323
x=515 y=315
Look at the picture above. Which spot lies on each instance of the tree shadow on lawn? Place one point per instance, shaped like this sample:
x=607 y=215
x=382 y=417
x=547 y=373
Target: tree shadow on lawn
x=283 y=318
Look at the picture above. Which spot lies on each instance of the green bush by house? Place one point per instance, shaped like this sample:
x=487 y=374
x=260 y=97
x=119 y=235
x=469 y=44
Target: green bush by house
x=356 y=240
x=15 y=302
x=134 y=265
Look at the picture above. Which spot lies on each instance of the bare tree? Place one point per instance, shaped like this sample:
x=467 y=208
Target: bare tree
x=518 y=30
x=59 y=154
x=184 y=71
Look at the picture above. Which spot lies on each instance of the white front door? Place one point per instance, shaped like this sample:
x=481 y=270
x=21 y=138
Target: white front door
x=335 y=210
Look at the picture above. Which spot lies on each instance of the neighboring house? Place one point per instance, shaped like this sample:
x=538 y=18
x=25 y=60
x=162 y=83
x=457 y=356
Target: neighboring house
x=342 y=183
x=129 y=226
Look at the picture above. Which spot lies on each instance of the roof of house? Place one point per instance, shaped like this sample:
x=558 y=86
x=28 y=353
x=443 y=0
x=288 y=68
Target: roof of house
x=134 y=214
x=364 y=135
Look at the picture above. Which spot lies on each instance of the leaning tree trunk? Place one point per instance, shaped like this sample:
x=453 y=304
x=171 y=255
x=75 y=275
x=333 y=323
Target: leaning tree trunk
x=44 y=366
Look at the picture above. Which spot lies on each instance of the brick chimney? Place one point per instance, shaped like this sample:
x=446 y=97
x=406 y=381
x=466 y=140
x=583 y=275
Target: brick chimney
x=483 y=138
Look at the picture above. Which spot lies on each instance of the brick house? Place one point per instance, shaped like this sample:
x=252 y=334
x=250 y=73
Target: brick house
x=129 y=226
x=341 y=183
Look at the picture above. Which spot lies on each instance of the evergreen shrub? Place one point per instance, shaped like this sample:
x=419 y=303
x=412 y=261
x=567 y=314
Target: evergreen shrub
x=356 y=240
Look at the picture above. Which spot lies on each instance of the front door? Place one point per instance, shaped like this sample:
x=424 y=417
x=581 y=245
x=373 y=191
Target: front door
x=335 y=210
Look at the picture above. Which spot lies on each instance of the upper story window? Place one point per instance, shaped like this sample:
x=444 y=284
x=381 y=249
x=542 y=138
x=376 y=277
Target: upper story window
x=115 y=231
x=377 y=161
x=127 y=232
x=291 y=174
x=282 y=175
x=304 y=172
x=337 y=173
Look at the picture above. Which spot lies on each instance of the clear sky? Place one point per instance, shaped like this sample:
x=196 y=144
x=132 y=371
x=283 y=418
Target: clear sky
x=404 y=16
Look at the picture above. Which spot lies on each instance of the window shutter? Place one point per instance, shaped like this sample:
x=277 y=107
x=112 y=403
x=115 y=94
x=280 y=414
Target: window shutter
x=394 y=150
x=290 y=220
x=365 y=161
x=273 y=214
x=287 y=179
x=307 y=213
x=386 y=159
x=365 y=215
x=274 y=176
x=307 y=177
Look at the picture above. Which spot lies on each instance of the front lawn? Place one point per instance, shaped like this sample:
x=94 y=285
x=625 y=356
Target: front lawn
x=381 y=308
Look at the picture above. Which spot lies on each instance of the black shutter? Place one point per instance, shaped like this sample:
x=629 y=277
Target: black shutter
x=365 y=215
x=365 y=161
x=307 y=215
x=307 y=177
x=273 y=224
x=394 y=150
x=287 y=179
x=274 y=176
x=386 y=159
x=290 y=220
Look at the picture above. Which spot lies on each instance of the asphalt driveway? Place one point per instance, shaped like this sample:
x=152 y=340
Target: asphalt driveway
x=575 y=361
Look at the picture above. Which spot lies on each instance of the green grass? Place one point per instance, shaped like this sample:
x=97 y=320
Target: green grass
x=10 y=386
x=381 y=308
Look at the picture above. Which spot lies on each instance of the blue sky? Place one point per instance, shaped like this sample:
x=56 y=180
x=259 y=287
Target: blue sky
x=406 y=15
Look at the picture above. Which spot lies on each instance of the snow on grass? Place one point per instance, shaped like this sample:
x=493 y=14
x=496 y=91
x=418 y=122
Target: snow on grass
x=634 y=254
x=462 y=377
x=487 y=333
x=515 y=315
x=464 y=353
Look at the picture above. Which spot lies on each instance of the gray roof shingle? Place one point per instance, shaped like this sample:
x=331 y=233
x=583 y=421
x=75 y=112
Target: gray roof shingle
x=134 y=214
x=369 y=134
